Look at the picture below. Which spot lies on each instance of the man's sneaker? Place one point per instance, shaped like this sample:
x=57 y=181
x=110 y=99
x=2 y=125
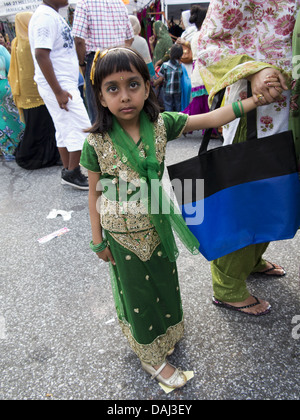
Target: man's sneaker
x=75 y=178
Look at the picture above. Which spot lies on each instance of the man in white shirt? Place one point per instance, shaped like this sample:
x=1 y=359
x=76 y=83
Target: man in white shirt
x=56 y=74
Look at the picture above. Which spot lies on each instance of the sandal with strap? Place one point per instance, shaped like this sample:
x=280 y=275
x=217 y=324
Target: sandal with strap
x=177 y=380
x=240 y=308
x=267 y=272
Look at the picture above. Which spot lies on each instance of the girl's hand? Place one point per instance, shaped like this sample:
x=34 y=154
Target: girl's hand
x=106 y=256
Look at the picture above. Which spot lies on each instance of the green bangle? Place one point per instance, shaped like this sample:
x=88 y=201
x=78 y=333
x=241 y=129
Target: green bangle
x=100 y=247
x=236 y=109
x=242 y=108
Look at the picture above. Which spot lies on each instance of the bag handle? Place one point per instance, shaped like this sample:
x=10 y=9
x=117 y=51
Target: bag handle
x=218 y=98
x=251 y=120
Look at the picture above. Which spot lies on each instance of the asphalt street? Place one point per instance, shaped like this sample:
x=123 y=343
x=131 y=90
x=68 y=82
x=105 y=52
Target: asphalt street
x=59 y=335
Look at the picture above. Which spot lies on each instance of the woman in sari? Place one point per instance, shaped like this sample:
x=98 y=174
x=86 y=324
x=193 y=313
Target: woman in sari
x=248 y=41
x=11 y=128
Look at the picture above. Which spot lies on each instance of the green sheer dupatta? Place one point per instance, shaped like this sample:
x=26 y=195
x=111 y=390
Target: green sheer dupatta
x=162 y=212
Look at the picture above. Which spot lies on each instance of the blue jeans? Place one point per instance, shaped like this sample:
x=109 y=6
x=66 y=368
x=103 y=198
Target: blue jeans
x=172 y=102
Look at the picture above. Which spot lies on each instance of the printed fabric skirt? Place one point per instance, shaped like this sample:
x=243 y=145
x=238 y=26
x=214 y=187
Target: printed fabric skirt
x=11 y=128
x=148 y=301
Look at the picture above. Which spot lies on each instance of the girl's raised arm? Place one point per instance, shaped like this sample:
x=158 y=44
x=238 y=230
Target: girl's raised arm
x=218 y=117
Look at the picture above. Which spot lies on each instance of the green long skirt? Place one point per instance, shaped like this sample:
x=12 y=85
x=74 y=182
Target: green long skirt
x=148 y=301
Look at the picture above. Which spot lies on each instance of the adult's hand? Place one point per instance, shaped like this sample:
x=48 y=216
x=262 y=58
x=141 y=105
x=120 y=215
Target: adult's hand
x=152 y=39
x=262 y=93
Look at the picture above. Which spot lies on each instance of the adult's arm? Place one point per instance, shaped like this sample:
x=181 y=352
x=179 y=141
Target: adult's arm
x=42 y=56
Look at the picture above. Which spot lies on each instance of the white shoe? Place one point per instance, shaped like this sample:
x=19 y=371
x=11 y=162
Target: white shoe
x=177 y=380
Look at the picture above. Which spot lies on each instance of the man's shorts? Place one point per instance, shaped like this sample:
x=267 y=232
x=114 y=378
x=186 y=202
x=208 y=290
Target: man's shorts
x=69 y=125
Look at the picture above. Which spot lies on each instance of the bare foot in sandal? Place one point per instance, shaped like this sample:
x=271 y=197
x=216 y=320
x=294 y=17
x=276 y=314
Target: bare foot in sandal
x=273 y=270
x=250 y=306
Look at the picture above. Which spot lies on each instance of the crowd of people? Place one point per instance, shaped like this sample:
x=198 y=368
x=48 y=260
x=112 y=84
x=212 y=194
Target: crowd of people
x=32 y=137
x=118 y=132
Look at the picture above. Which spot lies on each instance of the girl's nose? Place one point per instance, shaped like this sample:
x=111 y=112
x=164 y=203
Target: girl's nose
x=125 y=96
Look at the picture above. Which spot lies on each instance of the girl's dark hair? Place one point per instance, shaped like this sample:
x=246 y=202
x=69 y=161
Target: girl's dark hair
x=176 y=53
x=197 y=15
x=118 y=60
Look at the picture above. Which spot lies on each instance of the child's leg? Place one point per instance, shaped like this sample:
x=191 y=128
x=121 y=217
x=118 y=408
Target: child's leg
x=168 y=102
x=177 y=102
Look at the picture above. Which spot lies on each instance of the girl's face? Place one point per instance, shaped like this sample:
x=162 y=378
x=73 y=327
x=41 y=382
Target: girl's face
x=2 y=40
x=124 y=94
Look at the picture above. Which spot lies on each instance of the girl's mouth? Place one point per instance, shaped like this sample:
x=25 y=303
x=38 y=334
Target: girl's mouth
x=127 y=110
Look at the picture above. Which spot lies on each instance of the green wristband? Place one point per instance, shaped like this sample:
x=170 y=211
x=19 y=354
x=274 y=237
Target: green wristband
x=99 y=247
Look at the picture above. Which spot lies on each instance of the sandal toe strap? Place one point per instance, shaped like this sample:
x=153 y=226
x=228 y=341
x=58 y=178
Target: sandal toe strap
x=157 y=372
x=250 y=306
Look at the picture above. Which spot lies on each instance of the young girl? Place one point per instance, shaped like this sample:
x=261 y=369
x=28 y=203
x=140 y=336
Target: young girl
x=125 y=150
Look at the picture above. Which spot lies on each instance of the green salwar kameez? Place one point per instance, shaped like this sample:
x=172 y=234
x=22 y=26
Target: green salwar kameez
x=230 y=272
x=144 y=282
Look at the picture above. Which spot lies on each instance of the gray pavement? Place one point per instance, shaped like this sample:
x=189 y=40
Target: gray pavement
x=59 y=335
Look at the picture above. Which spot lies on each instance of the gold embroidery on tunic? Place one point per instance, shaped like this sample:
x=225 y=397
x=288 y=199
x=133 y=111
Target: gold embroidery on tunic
x=142 y=244
x=134 y=218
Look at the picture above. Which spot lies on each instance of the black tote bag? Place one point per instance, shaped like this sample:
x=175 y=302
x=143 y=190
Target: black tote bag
x=251 y=191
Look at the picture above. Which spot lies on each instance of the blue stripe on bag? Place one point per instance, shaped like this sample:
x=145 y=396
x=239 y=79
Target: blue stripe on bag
x=256 y=216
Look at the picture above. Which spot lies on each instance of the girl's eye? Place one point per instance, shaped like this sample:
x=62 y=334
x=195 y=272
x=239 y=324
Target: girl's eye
x=112 y=89
x=134 y=84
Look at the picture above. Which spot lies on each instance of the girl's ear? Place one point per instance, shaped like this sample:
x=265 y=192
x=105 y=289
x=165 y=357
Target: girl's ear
x=147 y=89
x=102 y=100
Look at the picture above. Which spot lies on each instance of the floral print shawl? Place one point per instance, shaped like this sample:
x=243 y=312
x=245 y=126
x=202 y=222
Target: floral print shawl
x=240 y=38
x=295 y=90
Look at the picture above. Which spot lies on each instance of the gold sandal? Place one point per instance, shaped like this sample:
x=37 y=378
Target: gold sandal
x=177 y=380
